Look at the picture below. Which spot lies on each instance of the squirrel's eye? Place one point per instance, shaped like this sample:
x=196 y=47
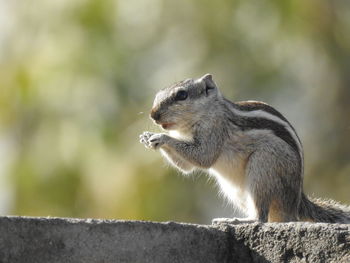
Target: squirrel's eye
x=181 y=95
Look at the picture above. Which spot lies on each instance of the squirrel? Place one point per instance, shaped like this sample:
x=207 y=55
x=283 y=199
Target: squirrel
x=249 y=147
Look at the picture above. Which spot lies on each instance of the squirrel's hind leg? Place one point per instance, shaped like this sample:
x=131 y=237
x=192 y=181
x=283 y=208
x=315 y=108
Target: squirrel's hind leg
x=275 y=194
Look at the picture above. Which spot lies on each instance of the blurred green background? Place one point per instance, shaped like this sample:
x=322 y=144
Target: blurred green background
x=77 y=80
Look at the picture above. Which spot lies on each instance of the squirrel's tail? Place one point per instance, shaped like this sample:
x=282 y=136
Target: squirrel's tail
x=327 y=211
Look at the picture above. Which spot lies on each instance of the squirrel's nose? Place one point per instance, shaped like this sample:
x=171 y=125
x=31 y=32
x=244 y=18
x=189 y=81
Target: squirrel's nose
x=155 y=115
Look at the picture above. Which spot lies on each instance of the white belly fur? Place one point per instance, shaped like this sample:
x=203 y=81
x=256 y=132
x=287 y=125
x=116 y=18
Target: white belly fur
x=231 y=178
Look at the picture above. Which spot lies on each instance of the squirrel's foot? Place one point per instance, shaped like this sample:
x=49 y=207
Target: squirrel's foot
x=152 y=140
x=233 y=221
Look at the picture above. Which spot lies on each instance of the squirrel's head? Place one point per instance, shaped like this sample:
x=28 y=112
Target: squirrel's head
x=181 y=105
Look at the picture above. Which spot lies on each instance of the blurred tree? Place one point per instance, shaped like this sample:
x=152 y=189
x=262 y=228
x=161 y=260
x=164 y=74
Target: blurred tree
x=77 y=79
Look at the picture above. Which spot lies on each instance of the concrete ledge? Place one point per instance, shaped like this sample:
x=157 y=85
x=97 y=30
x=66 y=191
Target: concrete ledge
x=24 y=239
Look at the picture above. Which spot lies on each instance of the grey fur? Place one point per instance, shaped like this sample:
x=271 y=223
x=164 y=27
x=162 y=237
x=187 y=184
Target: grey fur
x=249 y=147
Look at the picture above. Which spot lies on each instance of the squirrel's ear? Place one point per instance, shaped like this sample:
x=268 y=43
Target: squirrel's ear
x=209 y=83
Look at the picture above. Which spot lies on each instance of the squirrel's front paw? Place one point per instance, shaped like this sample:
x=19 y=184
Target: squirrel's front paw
x=152 y=140
x=144 y=137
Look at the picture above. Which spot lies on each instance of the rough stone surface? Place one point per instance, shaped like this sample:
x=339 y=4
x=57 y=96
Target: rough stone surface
x=24 y=239
x=290 y=242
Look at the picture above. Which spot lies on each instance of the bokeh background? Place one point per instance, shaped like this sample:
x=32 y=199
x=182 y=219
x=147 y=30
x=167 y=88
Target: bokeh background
x=77 y=80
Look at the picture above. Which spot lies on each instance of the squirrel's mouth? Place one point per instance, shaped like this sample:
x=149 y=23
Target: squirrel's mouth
x=167 y=126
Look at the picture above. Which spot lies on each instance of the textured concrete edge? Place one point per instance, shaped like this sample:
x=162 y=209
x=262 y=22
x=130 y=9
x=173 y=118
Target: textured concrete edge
x=290 y=242
x=50 y=239
x=30 y=239
x=91 y=221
